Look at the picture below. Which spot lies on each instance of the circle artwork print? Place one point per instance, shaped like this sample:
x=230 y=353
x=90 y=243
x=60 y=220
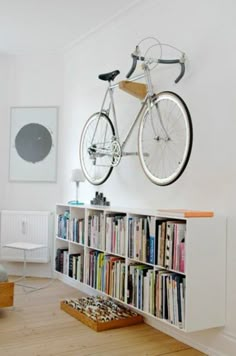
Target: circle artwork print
x=33 y=142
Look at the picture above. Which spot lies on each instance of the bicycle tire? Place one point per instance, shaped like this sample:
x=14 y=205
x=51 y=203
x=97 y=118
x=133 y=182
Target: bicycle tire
x=163 y=153
x=96 y=168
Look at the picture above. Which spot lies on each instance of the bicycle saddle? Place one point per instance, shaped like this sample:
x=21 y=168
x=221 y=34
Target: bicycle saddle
x=109 y=76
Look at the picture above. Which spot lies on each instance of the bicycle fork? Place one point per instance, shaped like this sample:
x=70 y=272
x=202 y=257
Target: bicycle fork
x=152 y=101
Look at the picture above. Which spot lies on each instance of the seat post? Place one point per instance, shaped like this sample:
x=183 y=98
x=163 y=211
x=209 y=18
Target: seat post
x=113 y=111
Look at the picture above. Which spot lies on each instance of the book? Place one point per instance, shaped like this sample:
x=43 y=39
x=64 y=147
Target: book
x=169 y=244
x=179 y=302
x=182 y=257
x=146 y=294
x=161 y=259
x=72 y=264
x=130 y=238
x=152 y=239
x=186 y=213
x=180 y=231
x=61 y=264
x=182 y=302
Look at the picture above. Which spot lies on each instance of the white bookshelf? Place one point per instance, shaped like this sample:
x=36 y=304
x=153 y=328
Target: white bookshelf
x=205 y=261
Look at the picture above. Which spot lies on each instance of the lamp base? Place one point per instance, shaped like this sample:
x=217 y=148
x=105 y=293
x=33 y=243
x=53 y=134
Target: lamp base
x=75 y=202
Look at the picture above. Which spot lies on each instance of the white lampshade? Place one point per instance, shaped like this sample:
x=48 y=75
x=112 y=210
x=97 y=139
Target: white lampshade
x=77 y=175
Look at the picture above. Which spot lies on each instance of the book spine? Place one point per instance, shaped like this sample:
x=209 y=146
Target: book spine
x=182 y=257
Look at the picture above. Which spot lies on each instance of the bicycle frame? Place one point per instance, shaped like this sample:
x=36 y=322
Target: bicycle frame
x=146 y=101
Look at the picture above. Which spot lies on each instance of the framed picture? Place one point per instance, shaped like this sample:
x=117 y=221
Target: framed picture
x=33 y=144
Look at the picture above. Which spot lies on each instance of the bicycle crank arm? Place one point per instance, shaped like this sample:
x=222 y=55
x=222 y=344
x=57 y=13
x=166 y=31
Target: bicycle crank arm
x=133 y=154
x=129 y=153
x=100 y=153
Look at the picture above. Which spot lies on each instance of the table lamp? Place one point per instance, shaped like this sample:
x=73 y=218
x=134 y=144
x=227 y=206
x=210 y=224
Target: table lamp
x=77 y=176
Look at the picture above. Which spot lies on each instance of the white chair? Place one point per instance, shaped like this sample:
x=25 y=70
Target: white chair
x=25 y=247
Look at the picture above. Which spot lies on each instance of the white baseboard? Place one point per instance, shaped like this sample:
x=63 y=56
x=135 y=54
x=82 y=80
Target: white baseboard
x=177 y=334
x=227 y=345
x=76 y=284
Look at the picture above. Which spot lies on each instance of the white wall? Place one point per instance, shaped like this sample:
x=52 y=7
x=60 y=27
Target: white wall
x=206 y=31
x=34 y=80
x=4 y=88
x=28 y=80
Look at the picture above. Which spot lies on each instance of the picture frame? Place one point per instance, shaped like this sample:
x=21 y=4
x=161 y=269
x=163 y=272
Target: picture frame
x=33 y=144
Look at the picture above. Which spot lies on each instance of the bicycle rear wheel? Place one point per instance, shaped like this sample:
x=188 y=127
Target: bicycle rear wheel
x=165 y=138
x=96 y=156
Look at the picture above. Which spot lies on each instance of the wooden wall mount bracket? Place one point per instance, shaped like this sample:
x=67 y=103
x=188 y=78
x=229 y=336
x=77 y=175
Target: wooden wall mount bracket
x=139 y=90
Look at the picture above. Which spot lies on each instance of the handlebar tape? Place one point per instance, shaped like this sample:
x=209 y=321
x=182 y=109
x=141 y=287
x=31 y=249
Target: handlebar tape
x=173 y=61
x=162 y=61
x=133 y=67
x=182 y=71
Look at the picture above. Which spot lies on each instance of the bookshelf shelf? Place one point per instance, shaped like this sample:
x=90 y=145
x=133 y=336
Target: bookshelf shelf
x=153 y=261
x=143 y=262
x=61 y=239
x=77 y=243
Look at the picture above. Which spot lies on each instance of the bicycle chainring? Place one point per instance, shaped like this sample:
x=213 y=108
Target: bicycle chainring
x=116 y=153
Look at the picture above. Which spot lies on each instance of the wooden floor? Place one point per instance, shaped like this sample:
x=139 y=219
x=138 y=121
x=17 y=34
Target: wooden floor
x=37 y=327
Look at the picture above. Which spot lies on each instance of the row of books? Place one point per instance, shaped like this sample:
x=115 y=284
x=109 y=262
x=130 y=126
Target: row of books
x=150 y=239
x=76 y=232
x=158 y=292
x=70 y=229
x=61 y=260
x=96 y=233
x=63 y=225
x=159 y=242
x=70 y=264
x=140 y=242
x=174 y=245
x=115 y=234
x=106 y=273
x=107 y=235
x=75 y=266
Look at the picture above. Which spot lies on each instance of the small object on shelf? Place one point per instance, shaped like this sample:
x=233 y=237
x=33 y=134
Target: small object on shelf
x=100 y=313
x=100 y=199
x=186 y=213
x=77 y=177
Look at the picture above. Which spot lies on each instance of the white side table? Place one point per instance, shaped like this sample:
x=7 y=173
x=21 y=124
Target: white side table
x=24 y=246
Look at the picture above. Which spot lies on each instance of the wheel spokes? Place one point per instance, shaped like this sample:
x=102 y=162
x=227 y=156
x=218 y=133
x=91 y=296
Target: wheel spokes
x=165 y=139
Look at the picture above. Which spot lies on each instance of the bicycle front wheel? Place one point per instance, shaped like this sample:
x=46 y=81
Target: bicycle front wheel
x=96 y=156
x=165 y=138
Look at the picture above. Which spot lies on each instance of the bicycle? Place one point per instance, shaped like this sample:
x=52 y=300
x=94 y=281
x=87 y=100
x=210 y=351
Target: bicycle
x=165 y=129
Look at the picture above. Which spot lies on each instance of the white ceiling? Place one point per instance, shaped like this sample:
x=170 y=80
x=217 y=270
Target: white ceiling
x=53 y=25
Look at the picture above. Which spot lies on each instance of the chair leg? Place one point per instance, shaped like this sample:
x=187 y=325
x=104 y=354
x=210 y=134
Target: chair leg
x=24 y=271
x=24 y=268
